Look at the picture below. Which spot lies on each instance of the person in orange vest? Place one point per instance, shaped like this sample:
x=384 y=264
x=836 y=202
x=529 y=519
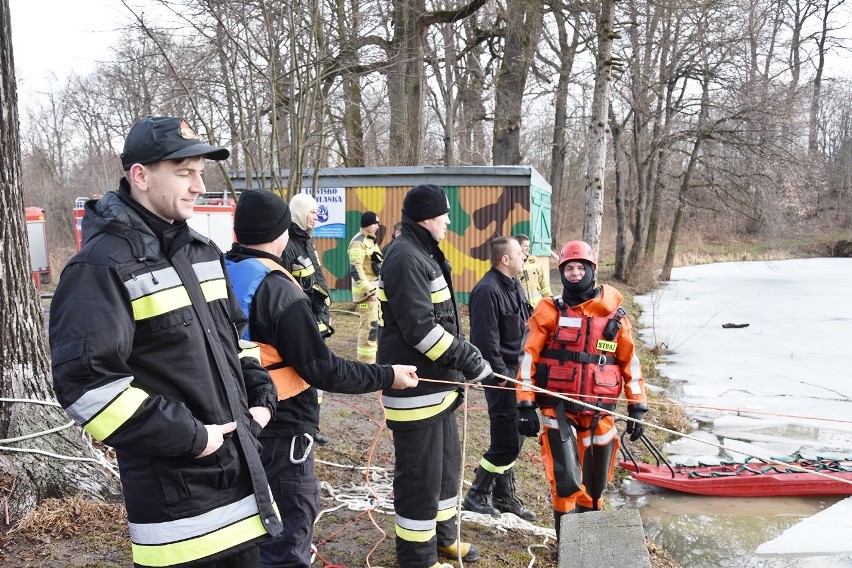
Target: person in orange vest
x=581 y=346
x=283 y=334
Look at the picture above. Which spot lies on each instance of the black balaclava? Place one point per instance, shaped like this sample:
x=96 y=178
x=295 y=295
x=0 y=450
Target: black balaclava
x=575 y=293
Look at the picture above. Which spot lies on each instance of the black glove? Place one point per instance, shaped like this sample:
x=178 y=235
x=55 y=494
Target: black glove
x=474 y=368
x=634 y=428
x=528 y=420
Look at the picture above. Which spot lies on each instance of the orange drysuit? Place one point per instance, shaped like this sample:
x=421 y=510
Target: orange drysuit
x=566 y=352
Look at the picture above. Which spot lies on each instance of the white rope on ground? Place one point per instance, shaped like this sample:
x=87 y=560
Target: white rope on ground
x=667 y=430
x=358 y=497
x=532 y=554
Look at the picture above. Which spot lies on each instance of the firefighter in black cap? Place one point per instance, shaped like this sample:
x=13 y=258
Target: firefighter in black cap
x=421 y=327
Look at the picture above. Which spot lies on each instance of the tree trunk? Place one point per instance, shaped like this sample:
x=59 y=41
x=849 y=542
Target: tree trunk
x=353 y=125
x=523 y=25
x=599 y=128
x=405 y=83
x=473 y=149
x=621 y=217
x=701 y=134
x=567 y=51
x=821 y=39
x=24 y=366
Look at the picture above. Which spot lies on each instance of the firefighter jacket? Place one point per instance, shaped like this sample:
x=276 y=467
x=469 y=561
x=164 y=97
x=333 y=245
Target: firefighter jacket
x=566 y=352
x=301 y=260
x=498 y=319
x=365 y=260
x=280 y=315
x=420 y=327
x=144 y=353
x=535 y=280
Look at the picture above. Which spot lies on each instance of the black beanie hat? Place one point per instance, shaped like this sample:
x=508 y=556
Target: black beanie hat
x=575 y=293
x=425 y=202
x=368 y=218
x=261 y=217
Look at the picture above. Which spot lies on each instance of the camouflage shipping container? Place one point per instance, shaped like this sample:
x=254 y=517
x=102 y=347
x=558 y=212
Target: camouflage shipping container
x=485 y=202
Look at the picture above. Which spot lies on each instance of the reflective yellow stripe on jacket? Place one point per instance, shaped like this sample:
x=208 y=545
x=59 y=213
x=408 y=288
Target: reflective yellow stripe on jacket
x=159 y=292
x=186 y=540
x=409 y=409
x=101 y=411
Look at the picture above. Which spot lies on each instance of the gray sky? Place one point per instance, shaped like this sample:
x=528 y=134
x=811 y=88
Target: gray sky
x=60 y=37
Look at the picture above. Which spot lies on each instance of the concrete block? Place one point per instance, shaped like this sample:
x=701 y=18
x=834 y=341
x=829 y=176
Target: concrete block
x=603 y=539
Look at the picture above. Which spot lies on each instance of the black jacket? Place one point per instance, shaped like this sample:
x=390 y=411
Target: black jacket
x=281 y=316
x=301 y=260
x=144 y=352
x=498 y=317
x=420 y=320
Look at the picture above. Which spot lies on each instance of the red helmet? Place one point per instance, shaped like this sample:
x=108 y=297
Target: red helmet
x=577 y=250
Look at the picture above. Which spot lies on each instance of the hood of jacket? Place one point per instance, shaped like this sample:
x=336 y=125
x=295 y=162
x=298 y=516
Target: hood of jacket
x=117 y=213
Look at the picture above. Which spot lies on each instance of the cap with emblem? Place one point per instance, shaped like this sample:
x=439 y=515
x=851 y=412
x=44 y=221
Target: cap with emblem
x=158 y=138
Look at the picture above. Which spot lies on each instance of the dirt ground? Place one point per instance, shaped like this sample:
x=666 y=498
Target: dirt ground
x=351 y=531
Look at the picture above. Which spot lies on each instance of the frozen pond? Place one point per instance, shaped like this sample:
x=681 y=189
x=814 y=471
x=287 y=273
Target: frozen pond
x=780 y=384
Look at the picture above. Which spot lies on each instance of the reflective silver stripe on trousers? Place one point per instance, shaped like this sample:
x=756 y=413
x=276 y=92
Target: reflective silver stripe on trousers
x=445 y=504
x=412 y=525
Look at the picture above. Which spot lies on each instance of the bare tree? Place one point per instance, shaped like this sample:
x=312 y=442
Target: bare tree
x=567 y=46
x=521 y=34
x=599 y=126
x=32 y=425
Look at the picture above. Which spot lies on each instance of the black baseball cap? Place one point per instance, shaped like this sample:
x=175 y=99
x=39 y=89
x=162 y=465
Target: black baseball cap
x=157 y=138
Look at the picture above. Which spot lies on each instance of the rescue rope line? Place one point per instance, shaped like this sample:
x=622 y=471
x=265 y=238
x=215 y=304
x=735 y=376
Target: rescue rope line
x=647 y=424
x=733 y=410
x=667 y=430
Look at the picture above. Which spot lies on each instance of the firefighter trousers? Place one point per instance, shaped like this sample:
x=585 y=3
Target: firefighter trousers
x=425 y=486
x=296 y=492
x=578 y=464
x=505 y=444
x=368 y=330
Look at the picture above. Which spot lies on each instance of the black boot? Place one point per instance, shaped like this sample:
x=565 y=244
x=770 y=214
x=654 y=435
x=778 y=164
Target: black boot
x=478 y=498
x=505 y=499
x=582 y=509
x=557 y=523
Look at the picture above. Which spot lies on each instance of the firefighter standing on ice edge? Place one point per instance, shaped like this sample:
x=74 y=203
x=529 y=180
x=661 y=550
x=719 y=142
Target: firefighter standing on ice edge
x=421 y=327
x=365 y=262
x=579 y=345
x=145 y=357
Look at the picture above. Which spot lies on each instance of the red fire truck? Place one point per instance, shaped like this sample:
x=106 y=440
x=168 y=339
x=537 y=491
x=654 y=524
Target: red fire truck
x=37 y=237
x=213 y=219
